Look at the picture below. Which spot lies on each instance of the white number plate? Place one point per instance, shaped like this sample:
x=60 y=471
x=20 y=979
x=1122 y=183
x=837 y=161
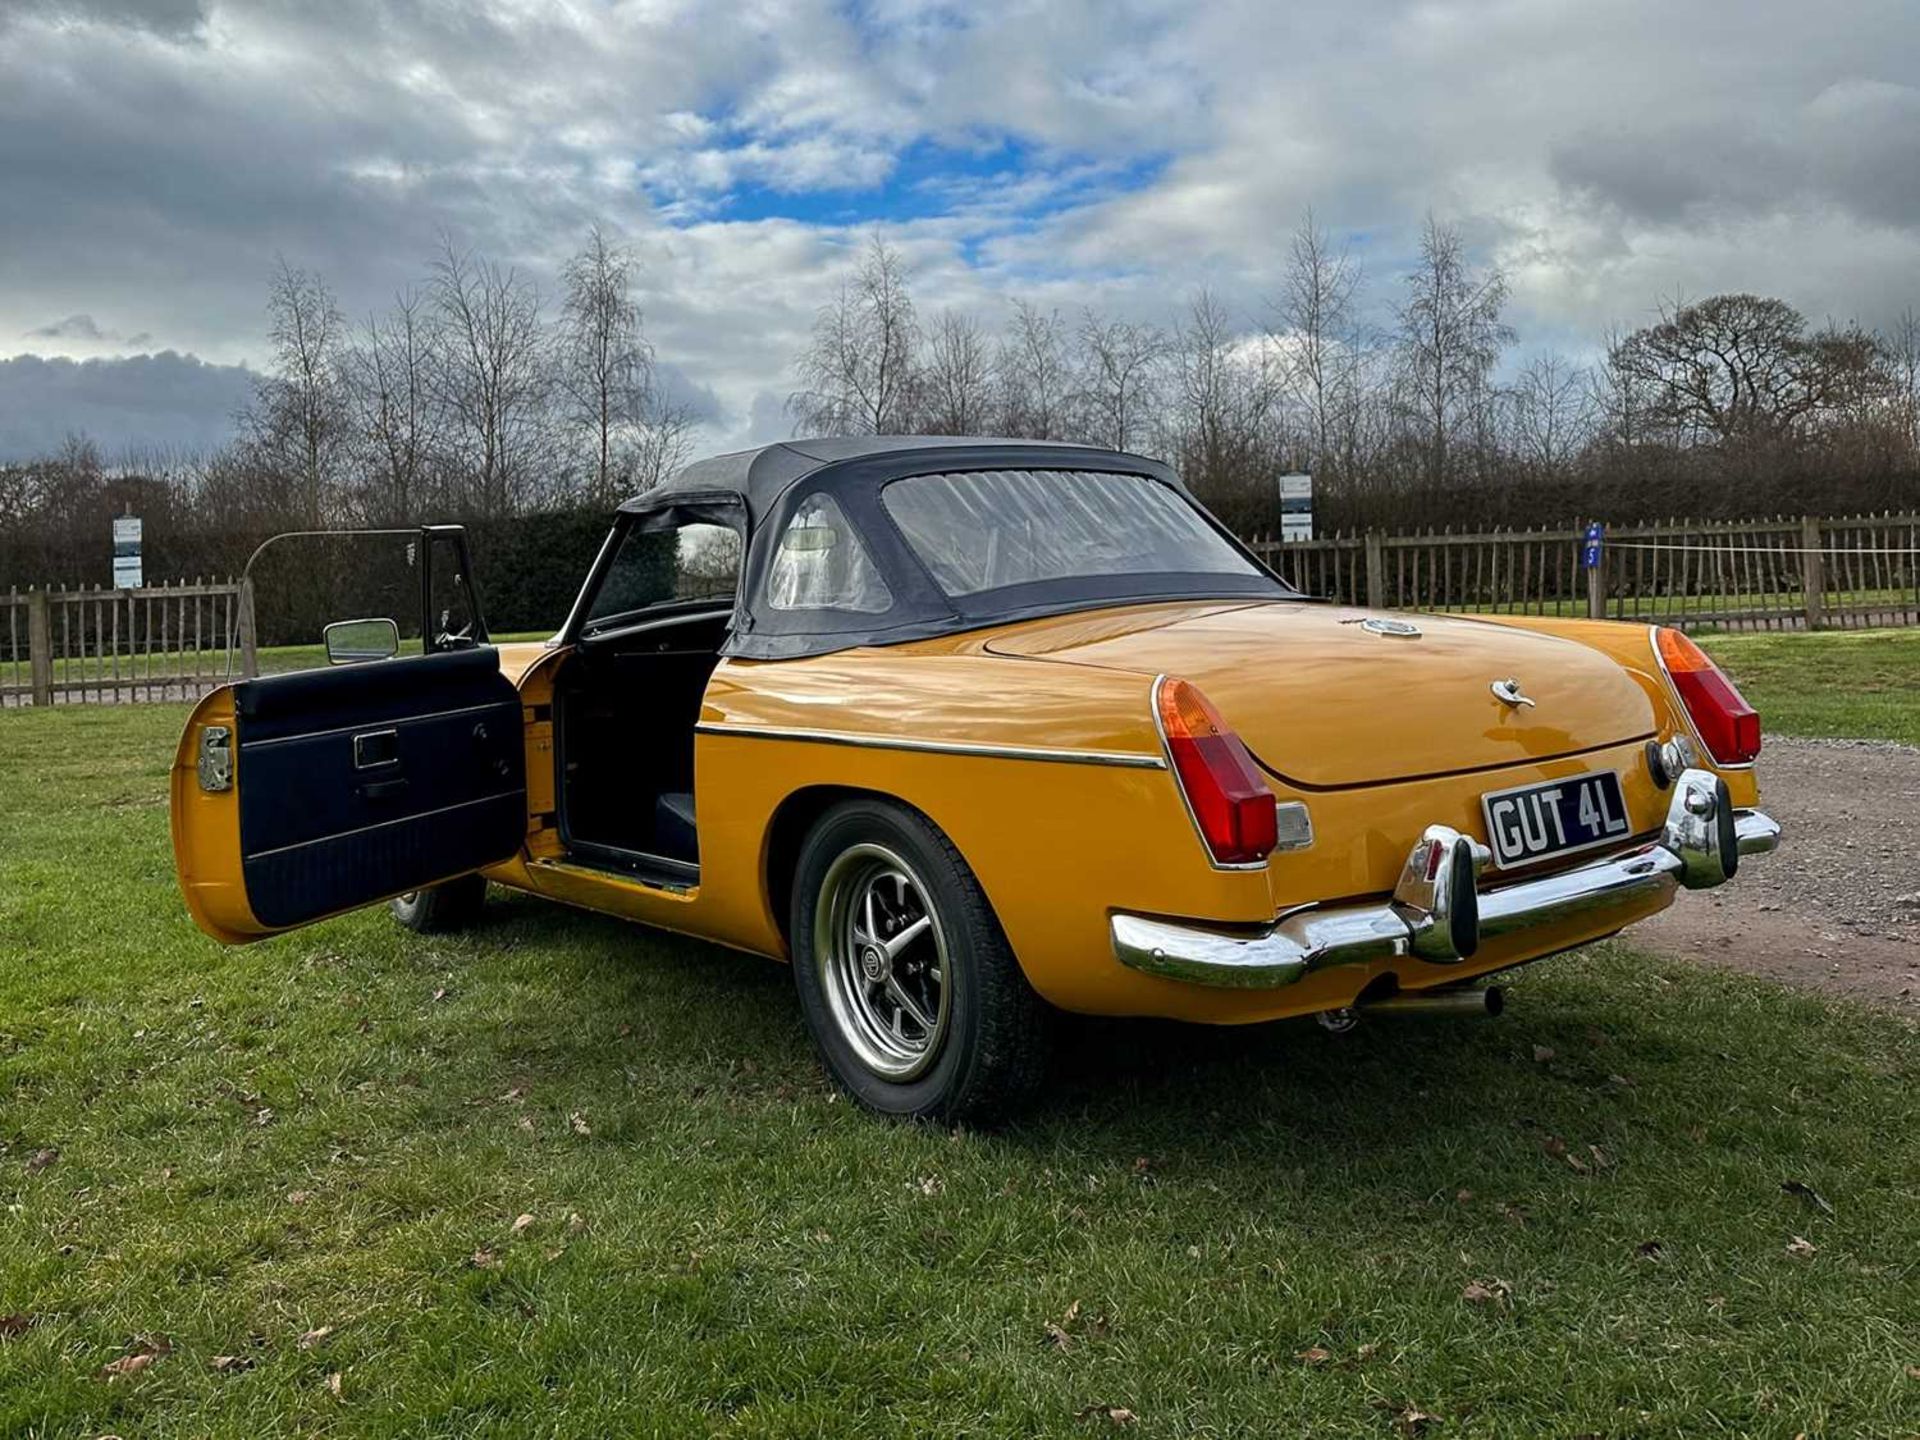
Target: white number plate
x=1533 y=822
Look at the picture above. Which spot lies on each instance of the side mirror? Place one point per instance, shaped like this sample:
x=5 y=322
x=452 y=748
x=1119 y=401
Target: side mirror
x=349 y=642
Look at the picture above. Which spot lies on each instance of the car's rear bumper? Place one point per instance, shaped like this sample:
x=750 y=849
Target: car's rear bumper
x=1438 y=911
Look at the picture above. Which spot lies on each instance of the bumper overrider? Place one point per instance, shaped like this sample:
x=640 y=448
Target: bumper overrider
x=1438 y=911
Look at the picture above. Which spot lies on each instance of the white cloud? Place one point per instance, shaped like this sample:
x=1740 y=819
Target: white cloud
x=157 y=156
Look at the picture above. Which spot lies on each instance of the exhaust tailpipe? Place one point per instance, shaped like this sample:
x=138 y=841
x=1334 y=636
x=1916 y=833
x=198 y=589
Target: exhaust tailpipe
x=1465 y=1001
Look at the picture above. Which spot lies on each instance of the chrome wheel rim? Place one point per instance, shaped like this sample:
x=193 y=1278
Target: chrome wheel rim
x=882 y=961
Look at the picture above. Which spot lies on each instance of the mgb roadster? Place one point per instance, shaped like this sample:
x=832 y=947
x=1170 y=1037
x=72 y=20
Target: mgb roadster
x=971 y=731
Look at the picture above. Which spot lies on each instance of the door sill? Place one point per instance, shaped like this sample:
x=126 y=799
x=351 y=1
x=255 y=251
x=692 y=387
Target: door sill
x=656 y=872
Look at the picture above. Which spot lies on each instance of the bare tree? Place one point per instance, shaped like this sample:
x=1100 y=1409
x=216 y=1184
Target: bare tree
x=1550 y=411
x=1315 y=326
x=1225 y=391
x=663 y=443
x=605 y=365
x=1120 y=380
x=1450 y=338
x=858 y=374
x=1903 y=365
x=956 y=380
x=1033 y=375
x=298 y=422
x=394 y=413
x=1743 y=368
x=491 y=381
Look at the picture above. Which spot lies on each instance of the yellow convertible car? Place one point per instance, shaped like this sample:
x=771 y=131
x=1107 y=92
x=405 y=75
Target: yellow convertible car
x=970 y=731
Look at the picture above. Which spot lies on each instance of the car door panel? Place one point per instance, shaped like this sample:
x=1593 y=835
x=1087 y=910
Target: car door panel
x=354 y=784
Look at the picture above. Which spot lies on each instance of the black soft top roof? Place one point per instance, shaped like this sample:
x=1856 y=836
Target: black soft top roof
x=760 y=476
x=757 y=492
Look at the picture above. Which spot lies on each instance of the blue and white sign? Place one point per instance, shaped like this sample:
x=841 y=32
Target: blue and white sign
x=1590 y=549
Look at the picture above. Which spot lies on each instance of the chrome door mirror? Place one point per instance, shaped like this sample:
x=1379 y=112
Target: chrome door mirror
x=349 y=642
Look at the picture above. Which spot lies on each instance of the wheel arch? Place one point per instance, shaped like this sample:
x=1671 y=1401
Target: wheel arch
x=787 y=831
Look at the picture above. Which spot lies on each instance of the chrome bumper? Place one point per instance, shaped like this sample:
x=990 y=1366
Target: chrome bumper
x=1439 y=913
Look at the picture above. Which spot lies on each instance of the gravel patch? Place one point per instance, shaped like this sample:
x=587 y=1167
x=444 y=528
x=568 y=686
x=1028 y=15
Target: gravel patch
x=1837 y=906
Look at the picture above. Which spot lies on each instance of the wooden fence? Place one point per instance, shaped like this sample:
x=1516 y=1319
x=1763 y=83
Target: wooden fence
x=165 y=642
x=1786 y=574
x=176 y=642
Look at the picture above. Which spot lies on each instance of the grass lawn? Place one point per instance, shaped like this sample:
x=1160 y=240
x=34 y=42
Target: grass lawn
x=1864 y=684
x=311 y=1155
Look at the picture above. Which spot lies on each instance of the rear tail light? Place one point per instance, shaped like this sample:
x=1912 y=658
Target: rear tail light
x=1230 y=802
x=1727 y=725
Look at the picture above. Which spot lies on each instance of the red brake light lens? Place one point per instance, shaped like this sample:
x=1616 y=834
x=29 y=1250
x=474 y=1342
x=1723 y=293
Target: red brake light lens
x=1231 y=803
x=1727 y=724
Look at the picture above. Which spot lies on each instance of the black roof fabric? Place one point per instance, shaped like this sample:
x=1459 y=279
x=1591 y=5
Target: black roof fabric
x=759 y=476
x=768 y=484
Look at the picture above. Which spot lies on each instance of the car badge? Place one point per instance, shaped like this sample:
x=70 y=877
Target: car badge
x=1380 y=625
x=1508 y=692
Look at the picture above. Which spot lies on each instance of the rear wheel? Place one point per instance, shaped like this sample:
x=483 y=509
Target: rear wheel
x=453 y=905
x=906 y=981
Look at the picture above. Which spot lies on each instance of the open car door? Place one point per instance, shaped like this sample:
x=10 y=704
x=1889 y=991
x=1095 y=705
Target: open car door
x=300 y=796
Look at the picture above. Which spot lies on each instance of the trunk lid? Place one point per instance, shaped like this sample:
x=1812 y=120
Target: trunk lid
x=1324 y=703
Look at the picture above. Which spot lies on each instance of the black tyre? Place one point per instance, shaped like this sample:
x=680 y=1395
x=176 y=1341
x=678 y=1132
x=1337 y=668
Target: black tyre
x=439 y=908
x=906 y=981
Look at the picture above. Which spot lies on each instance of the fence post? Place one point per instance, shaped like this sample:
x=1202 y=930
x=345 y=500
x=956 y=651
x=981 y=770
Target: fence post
x=39 y=647
x=249 y=643
x=1597 y=588
x=1376 y=571
x=1813 y=572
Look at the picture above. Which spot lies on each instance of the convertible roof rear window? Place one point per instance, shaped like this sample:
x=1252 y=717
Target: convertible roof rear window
x=990 y=529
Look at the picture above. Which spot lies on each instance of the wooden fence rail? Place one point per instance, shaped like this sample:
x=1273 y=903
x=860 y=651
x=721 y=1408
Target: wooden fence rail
x=1785 y=574
x=164 y=642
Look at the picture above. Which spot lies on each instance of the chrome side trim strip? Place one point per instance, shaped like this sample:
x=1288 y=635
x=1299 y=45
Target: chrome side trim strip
x=1126 y=759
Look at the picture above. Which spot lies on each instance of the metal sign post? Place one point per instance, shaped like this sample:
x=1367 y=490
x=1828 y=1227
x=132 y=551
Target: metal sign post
x=1596 y=578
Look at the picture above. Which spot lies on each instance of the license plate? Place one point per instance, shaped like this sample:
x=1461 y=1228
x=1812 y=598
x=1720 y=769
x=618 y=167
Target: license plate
x=1532 y=822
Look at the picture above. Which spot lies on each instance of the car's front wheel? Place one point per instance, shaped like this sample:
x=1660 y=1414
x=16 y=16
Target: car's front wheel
x=906 y=981
x=437 y=909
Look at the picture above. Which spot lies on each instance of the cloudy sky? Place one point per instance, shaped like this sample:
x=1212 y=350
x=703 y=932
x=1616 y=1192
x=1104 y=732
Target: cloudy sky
x=157 y=155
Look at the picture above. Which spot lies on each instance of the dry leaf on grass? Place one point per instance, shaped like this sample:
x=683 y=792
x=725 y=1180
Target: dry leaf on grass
x=229 y=1364
x=930 y=1185
x=1314 y=1355
x=1487 y=1292
x=1802 y=1248
x=577 y=1123
x=41 y=1159
x=484 y=1260
x=1408 y=1420
x=1116 y=1415
x=299 y=1197
x=1801 y=1190
x=147 y=1351
x=315 y=1337
x=335 y=1381
x=521 y=1225
x=15 y=1324
x=1542 y=1054
x=1058 y=1338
